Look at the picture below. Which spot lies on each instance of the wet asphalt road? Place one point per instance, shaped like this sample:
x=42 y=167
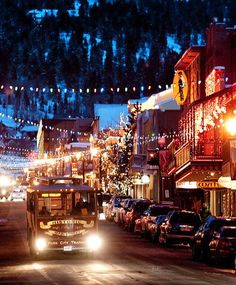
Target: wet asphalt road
x=125 y=259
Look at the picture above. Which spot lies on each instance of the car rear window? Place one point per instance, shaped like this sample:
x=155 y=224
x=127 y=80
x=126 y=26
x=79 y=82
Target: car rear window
x=229 y=232
x=141 y=206
x=156 y=211
x=184 y=218
x=130 y=203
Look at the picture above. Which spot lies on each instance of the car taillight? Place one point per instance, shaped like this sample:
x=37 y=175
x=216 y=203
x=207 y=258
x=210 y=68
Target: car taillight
x=138 y=221
x=224 y=244
x=169 y=227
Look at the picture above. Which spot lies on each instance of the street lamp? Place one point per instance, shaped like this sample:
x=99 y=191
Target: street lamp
x=230 y=126
x=145 y=179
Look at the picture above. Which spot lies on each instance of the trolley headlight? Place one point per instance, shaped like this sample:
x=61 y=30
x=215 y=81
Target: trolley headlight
x=40 y=244
x=4 y=191
x=94 y=242
x=5 y=181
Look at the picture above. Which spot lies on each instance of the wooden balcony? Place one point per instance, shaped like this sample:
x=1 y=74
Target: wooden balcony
x=199 y=152
x=137 y=162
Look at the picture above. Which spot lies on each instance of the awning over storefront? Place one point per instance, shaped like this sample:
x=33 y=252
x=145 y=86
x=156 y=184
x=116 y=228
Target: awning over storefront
x=227 y=182
x=203 y=179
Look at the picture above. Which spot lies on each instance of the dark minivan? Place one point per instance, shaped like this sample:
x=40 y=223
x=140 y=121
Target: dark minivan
x=179 y=227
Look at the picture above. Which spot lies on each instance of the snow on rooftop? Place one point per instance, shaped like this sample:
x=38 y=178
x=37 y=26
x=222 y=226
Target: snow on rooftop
x=29 y=129
x=162 y=100
x=8 y=122
x=111 y=115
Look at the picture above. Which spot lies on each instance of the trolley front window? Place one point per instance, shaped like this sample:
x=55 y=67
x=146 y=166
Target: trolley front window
x=73 y=203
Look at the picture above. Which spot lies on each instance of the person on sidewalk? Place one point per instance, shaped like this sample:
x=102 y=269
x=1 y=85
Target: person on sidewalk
x=204 y=212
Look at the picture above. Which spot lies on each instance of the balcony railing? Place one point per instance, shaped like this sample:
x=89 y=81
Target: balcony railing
x=207 y=149
x=200 y=150
x=183 y=155
x=137 y=162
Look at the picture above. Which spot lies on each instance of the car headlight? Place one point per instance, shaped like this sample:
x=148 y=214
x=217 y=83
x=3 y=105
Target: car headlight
x=40 y=244
x=94 y=242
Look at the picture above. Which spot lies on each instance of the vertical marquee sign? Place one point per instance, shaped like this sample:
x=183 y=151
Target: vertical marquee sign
x=232 y=147
x=180 y=87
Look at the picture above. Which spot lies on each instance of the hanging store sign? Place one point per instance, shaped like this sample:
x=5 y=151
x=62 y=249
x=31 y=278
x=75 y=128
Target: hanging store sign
x=208 y=184
x=180 y=87
x=186 y=185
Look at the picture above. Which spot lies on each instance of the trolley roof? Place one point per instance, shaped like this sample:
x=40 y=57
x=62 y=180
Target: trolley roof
x=59 y=184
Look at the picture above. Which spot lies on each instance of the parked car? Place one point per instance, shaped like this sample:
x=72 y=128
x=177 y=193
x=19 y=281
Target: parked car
x=179 y=227
x=203 y=236
x=222 y=247
x=103 y=200
x=143 y=224
x=124 y=209
x=113 y=206
x=154 y=229
x=18 y=194
x=137 y=209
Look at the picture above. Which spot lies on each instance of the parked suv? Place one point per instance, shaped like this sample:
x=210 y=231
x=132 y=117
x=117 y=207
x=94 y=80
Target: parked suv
x=154 y=229
x=122 y=211
x=137 y=209
x=113 y=206
x=222 y=247
x=143 y=224
x=203 y=236
x=179 y=227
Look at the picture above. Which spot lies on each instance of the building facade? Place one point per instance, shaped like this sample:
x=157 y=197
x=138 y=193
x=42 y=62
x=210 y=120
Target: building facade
x=197 y=167
x=67 y=143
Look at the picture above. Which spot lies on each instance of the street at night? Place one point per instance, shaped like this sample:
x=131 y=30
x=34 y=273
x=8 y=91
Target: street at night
x=126 y=258
x=118 y=142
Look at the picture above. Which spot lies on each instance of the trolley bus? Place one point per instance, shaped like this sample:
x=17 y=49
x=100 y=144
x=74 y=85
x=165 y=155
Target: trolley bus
x=62 y=214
